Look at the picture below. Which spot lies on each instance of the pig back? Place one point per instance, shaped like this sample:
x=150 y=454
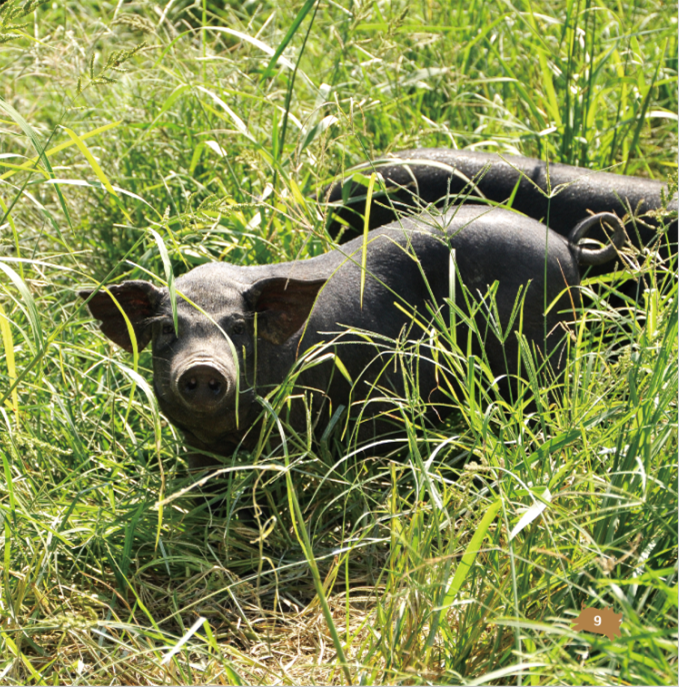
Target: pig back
x=558 y=194
x=408 y=276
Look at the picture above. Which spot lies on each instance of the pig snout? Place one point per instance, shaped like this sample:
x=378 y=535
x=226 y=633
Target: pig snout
x=202 y=384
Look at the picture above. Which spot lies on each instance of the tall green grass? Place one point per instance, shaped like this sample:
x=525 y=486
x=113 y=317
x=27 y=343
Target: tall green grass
x=463 y=554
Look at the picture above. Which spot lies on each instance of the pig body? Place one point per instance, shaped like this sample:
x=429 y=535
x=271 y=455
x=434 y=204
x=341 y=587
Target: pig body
x=242 y=329
x=557 y=194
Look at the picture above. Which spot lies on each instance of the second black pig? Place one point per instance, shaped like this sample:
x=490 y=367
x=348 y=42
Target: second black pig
x=557 y=194
x=242 y=329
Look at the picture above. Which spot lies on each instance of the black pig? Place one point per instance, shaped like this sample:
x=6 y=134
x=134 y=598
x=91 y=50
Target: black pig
x=559 y=195
x=263 y=318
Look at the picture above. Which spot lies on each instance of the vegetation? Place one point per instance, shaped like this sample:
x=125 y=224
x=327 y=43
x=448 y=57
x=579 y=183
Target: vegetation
x=141 y=139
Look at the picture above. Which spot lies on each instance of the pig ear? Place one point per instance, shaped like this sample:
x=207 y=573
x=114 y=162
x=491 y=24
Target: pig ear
x=282 y=305
x=139 y=300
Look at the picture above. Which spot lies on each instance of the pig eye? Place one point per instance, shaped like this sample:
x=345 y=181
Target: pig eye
x=238 y=328
x=168 y=329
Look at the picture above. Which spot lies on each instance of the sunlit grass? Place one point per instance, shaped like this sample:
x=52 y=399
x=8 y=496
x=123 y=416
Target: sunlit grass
x=419 y=561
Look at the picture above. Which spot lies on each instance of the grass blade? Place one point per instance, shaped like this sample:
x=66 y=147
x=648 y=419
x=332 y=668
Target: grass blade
x=366 y=229
x=306 y=8
x=31 y=308
x=8 y=343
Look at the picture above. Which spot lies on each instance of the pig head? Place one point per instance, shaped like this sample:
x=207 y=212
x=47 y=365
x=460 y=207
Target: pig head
x=204 y=368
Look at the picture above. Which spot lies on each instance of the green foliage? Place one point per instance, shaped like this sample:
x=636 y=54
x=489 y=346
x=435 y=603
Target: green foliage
x=13 y=10
x=114 y=62
x=142 y=139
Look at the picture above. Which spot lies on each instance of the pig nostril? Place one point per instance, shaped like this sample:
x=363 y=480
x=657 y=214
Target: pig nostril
x=215 y=385
x=191 y=384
